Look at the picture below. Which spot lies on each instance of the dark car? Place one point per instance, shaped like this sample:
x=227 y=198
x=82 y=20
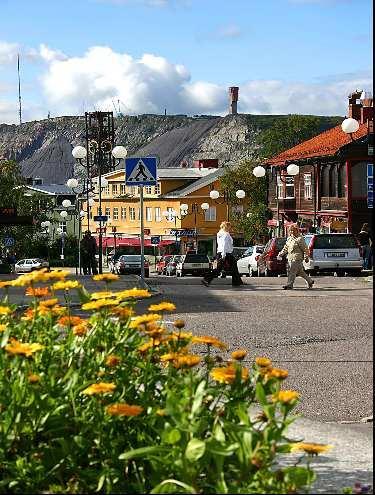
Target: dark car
x=131 y=263
x=268 y=264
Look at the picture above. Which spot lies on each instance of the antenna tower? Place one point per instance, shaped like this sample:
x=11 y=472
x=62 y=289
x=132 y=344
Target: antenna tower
x=19 y=88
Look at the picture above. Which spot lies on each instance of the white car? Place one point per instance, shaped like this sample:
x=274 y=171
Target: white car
x=30 y=264
x=248 y=263
x=193 y=263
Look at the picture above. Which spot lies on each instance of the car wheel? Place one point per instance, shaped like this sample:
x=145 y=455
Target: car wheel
x=340 y=273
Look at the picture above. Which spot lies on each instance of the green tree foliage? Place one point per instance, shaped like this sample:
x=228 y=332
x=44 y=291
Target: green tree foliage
x=286 y=133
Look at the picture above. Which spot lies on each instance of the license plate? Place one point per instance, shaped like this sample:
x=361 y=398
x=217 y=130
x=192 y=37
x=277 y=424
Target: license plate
x=197 y=265
x=335 y=255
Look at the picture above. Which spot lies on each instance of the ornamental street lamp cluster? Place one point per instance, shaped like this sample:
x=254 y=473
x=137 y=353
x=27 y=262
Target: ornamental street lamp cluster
x=227 y=198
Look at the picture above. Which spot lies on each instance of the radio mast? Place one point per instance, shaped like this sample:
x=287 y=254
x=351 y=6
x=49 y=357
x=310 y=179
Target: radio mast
x=19 y=88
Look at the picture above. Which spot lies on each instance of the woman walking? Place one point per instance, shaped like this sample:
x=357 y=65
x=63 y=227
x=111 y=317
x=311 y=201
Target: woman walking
x=224 y=257
x=296 y=250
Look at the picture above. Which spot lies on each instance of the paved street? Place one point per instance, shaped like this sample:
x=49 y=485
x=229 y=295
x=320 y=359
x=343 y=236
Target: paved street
x=323 y=336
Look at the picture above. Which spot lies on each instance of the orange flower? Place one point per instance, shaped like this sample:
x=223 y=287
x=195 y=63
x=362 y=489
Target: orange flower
x=69 y=321
x=277 y=373
x=81 y=329
x=48 y=303
x=28 y=315
x=143 y=320
x=122 y=312
x=263 y=362
x=33 y=378
x=286 y=396
x=112 y=360
x=99 y=388
x=228 y=374
x=310 y=448
x=205 y=339
x=124 y=410
x=239 y=355
x=149 y=345
x=181 y=335
x=186 y=361
x=16 y=347
x=38 y=291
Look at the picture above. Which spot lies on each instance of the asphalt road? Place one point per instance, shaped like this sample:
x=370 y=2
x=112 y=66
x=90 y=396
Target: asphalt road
x=322 y=336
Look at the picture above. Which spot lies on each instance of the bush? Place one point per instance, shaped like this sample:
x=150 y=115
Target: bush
x=121 y=404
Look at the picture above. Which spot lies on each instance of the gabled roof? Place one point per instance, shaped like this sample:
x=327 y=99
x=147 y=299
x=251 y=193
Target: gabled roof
x=51 y=189
x=181 y=192
x=327 y=143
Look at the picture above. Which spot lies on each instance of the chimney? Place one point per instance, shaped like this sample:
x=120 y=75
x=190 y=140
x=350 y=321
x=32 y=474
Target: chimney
x=367 y=108
x=355 y=105
x=233 y=99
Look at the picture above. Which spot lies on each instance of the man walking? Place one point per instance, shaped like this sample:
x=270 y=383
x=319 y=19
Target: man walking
x=88 y=252
x=296 y=250
x=224 y=259
x=365 y=241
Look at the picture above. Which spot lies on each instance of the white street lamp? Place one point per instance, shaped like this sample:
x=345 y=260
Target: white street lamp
x=63 y=214
x=214 y=194
x=66 y=203
x=47 y=223
x=82 y=213
x=184 y=207
x=79 y=152
x=350 y=125
x=59 y=230
x=259 y=171
x=292 y=169
x=72 y=183
x=205 y=206
x=119 y=152
x=240 y=194
x=91 y=201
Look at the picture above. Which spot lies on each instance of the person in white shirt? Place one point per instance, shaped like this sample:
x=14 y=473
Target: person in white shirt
x=224 y=258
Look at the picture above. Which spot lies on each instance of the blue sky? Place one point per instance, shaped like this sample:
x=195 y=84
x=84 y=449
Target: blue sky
x=287 y=56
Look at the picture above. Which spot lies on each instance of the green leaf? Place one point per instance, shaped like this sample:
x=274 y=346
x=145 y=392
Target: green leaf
x=198 y=397
x=171 y=436
x=161 y=487
x=83 y=295
x=100 y=483
x=5 y=338
x=218 y=433
x=298 y=476
x=216 y=448
x=260 y=394
x=143 y=451
x=195 y=449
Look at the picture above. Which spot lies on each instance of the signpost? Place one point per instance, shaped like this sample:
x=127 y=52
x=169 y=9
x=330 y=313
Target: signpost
x=141 y=171
x=8 y=241
x=370 y=185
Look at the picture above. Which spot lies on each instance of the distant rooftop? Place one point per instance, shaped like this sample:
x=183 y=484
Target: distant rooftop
x=52 y=189
x=175 y=173
x=196 y=185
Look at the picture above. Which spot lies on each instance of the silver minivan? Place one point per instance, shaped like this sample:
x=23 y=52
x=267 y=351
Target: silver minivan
x=340 y=253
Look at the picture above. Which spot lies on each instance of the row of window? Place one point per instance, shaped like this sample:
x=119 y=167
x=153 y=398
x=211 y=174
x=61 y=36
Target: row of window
x=151 y=214
x=122 y=189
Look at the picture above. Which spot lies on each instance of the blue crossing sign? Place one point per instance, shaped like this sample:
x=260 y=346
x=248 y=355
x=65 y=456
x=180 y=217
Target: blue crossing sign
x=155 y=240
x=370 y=185
x=141 y=171
x=8 y=241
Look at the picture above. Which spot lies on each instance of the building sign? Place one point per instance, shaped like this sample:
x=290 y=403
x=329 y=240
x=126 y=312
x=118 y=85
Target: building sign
x=183 y=232
x=370 y=185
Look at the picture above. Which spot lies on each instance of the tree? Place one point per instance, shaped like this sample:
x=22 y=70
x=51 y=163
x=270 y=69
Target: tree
x=288 y=132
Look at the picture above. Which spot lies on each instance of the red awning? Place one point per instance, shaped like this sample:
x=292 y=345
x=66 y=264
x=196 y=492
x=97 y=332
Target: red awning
x=272 y=223
x=130 y=241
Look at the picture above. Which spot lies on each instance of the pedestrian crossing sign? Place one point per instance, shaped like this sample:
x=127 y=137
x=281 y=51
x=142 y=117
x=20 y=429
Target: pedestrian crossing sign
x=141 y=171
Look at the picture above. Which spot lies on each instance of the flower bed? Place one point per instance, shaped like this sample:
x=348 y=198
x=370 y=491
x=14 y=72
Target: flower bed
x=119 y=403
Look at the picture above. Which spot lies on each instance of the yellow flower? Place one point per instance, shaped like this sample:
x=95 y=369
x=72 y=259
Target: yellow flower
x=149 y=344
x=180 y=335
x=57 y=275
x=33 y=378
x=57 y=310
x=106 y=277
x=133 y=294
x=101 y=303
x=104 y=294
x=37 y=291
x=161 y=412
x=6 y=283
x=239 y=355
x=4 y=310
x=205 y=339
x=310 y=448
x=154 y=331
x=286 y=396
x=66 y=285
x=3 y=327
x=68 y=321
x=228 y=374
x=16 y=347
x=112 y=360
x=99 y=388
x=186 y=361
x=277 y=373
x=122 y=312
x=124 y=410
x=48 y=303
x=263 y=362
x=163 y=306
x=143 y=319
x=80 y=329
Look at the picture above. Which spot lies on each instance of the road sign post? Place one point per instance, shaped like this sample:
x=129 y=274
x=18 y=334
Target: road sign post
x=141 y=171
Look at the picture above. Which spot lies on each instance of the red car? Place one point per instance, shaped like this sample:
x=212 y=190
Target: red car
x=268 y=264
x=161 y=265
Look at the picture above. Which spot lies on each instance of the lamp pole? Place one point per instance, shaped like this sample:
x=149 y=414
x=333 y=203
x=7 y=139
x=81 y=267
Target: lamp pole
x=194 y=211
x=226 y=198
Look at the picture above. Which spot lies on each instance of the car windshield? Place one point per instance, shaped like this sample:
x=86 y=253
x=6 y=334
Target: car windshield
x=167 y=258
x=130 y=257
x=248 y=251
x=335 y=241
x=178 y=258
x=196 y=258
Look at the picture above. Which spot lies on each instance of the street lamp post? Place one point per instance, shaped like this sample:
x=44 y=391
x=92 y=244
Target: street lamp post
x=194 y=211
x=226 y=198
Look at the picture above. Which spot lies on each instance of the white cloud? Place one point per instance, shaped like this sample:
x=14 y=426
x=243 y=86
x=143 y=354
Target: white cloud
x=8 y=52
x=229 y=31
x=49 y=55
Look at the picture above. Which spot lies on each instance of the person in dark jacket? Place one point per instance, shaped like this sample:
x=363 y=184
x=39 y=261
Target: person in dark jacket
x=365 y=240
x=88 y=252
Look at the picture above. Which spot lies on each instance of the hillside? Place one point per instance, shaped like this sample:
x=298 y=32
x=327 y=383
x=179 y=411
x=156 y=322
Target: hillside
x=43 y=148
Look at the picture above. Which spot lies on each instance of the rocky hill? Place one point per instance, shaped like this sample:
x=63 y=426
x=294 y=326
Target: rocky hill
x=43 y=148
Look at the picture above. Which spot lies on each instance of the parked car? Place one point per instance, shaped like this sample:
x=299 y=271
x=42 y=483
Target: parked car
x=161 y=265
x=268 y=264
x=171 y=266
x=193 y=263
x=30 y=264
x=340 y=253
x=131 y=263
x=112 y=259
x=238 y=252
x=248 y=263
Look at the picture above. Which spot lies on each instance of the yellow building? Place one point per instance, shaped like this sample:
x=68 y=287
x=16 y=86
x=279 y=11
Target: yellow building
x=162 y=210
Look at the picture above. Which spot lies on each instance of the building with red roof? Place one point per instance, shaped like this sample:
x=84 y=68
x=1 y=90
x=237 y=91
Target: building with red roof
x=331 y=192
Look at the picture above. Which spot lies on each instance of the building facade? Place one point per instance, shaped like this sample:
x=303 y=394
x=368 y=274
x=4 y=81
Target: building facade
x=330 y=192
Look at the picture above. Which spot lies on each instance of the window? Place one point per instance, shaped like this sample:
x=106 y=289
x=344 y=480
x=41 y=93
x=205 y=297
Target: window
x=333 y=181
x=289 y=187
x=122 y=189
x=123 y=213
x=279 y=188
x=148 y=189
x=62 y=226
x=308 y=188
x=324 y=180
x=210 y=214
x=341 y=180
x=132 y=213
x=157 y=214
x=114 y=189
x=115 y=213
x=170 y=216
x=133 y=190
x=157 y=188
x=148 y=214
x=108 y=212
x=106 y=190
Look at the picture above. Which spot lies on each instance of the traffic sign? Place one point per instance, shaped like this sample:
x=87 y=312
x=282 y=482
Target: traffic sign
x=101 y=218
x=141 y=171
x=155 y=240
x=8 y=241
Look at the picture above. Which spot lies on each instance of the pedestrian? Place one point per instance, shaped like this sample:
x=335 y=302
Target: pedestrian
x=296 y=251
x=88 y=252
x=365 y=241
x=224 y=258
